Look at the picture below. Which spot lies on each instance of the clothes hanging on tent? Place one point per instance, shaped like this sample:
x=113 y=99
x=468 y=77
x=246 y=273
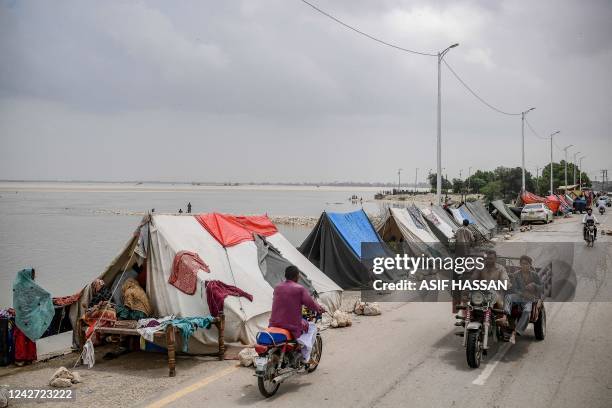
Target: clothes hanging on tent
x=25 y=349
x=217 y=291
x=66 y=300
x=185 y=269
x=33 y=306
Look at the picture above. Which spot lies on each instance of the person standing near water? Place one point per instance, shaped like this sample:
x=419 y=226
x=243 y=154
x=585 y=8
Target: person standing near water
x=189 y=208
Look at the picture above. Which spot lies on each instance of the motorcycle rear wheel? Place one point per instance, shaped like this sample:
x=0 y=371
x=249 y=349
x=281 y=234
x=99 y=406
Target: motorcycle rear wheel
x=473 y=350
x=267 y=388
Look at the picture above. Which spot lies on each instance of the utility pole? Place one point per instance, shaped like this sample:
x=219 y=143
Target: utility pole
x=580 y=173
x=399 y=180
x=565 y=150
x=523 y=147
x=552 y=135
x=537 y=180
x=469 y=179
x=575 y=154
x=416 y=178
x=439 y=138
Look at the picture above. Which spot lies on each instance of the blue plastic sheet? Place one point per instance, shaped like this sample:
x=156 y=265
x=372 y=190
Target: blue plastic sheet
x=355 y=228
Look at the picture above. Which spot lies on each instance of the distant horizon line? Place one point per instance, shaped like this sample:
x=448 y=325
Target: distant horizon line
x=228 y=183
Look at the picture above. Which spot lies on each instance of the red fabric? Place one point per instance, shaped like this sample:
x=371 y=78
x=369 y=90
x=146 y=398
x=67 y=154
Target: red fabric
x=217 y=291
x=66 y=300
x=185 y=271
x=230 y=230
x=25 y=349
x=553 y=203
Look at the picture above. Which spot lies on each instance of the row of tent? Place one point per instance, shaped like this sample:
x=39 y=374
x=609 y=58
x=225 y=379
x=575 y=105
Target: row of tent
x=250 y=253
x=557 y=203
x=342 y=244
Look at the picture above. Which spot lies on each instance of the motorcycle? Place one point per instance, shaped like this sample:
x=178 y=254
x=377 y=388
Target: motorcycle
x=280 y=357
x=589 y=235
x=480 y=323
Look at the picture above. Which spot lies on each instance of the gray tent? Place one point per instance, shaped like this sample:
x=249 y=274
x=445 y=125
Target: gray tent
x=482 y=216
x=504 y=214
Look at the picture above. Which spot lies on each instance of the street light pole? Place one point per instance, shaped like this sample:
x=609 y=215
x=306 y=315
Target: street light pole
x=416 y=178
x=580 y=173
x=523 y=147
x=565 y=150
x=551 y=159
x=469 y=179
x=439 y=136
x=399 y=180
x=575 y=154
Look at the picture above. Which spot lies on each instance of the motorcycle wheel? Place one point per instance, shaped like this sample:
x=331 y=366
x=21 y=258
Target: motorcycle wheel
x=539 y=327
x=315 y=355
x=267 y=388
x=473 y=349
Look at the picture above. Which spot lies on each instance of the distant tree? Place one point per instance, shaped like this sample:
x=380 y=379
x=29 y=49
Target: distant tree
x=433 y=181
x=492 y=190
x=559 y=177
x=458 y=186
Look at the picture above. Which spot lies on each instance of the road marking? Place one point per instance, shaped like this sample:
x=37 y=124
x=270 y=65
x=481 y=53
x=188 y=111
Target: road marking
x=486 y=373
x=191 y=388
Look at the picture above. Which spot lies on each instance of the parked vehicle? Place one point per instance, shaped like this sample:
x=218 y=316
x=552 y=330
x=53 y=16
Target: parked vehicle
x=280 y=357
x=536 y=212
x=479 y=324
x=580 y=205
x=590 y=233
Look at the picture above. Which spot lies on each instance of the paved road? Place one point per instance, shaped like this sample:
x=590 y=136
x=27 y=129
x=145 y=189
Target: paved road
x=409 y=356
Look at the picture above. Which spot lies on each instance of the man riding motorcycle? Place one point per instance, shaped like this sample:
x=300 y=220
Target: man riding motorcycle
x=288 y=299
x=589 y=217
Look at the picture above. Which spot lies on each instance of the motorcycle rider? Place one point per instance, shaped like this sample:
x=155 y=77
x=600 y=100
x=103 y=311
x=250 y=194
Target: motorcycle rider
x=526 y=288
x=493 y=271
x=288 y=298
x=589 y=217
x=601 y=206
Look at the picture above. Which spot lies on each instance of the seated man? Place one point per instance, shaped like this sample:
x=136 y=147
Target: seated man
x=288 y=299
x=527 y=288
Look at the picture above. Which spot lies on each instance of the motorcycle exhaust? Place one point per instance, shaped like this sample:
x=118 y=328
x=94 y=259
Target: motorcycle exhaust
x=279 y=379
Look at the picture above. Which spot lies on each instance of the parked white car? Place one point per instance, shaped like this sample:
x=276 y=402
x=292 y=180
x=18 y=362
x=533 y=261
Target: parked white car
x=536 y=212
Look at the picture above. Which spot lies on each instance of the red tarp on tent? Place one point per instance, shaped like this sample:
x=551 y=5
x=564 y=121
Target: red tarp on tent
x=230 y=230
x=551 y=201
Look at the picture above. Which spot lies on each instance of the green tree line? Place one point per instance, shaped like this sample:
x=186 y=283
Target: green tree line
x=505 y=182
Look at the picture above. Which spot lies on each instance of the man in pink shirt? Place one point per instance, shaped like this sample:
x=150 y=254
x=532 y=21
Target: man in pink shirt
x=289 y=297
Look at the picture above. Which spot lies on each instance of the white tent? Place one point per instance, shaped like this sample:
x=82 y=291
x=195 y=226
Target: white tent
x=225 y=243
x=413 y=228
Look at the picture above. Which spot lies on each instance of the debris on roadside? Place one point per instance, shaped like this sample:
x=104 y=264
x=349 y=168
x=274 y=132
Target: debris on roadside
x=525 y=228
x=3 y=396
x=247 y=356
x=340 y=319
x=366 y=309
x=63 y=378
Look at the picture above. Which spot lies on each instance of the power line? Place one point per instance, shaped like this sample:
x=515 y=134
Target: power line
x=476 y=95
x=337 y=20
x=533 y=131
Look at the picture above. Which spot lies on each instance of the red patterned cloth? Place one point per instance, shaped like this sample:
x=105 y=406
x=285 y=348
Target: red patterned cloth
x=66 y=300
x=185 y=270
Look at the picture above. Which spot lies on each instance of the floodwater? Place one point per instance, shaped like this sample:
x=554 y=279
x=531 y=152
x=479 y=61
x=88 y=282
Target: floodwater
x=70 y=232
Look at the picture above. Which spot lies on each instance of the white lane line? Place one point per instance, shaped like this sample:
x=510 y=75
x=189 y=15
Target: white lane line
x=486 y=373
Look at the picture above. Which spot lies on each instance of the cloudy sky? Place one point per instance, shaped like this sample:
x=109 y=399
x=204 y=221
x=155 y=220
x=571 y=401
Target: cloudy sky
x=271 y=90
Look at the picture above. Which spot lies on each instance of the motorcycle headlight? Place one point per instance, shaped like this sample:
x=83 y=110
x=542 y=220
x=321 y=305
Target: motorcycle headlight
x=477 y=298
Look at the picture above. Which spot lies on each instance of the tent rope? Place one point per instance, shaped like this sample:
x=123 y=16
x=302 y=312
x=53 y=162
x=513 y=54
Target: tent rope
x=96 y=324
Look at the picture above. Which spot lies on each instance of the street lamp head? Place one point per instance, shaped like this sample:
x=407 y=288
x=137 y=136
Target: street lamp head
x=554 y=133
x=454 y=45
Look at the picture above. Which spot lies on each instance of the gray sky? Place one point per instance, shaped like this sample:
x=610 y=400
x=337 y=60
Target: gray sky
x=270 y=90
